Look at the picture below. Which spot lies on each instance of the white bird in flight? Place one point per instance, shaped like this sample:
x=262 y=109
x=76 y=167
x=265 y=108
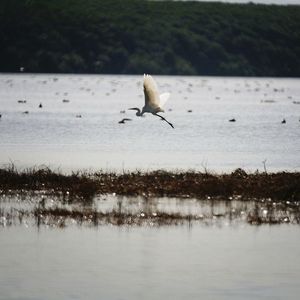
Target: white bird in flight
x=153 y=101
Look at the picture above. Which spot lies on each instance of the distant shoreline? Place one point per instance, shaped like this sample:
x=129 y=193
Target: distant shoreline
x=139 y=75
x=154 y=37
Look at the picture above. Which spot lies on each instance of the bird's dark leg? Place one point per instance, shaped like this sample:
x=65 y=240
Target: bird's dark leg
x=164 y=119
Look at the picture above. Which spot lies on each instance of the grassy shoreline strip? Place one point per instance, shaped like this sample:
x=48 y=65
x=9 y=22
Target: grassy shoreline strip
x=277 y=186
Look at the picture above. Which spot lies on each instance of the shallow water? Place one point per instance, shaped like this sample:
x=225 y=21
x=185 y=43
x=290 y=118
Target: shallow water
x=150 y=263
x=202 y=139
x=39 y=209
x=220 y=256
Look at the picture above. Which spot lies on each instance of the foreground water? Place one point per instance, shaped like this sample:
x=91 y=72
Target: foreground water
x=77 y=126
x=219 y=256
x=150 y=263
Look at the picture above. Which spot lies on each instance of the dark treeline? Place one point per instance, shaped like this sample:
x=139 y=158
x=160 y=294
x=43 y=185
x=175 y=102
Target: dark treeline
x=161 y=37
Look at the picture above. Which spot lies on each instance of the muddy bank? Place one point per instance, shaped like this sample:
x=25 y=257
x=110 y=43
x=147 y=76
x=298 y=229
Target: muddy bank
x=238 y=184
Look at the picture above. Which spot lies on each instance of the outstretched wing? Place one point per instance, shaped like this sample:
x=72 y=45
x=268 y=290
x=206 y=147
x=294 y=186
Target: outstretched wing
x=152 y=99
x=163 y=99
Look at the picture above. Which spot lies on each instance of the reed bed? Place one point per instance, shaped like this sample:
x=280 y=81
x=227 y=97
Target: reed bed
x=81 y=185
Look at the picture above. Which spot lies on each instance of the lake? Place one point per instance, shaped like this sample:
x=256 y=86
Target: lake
x=77 y=126
x=223 y=253
x=209 y=262
x=219 y=256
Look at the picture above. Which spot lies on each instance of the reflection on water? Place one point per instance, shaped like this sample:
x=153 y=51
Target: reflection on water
x=141 y=211
x=216 y=254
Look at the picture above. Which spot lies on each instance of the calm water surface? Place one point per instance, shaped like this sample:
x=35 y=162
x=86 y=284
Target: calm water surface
x=200 y=109
x=228 y=262
x=216 y=258
x=208 y=260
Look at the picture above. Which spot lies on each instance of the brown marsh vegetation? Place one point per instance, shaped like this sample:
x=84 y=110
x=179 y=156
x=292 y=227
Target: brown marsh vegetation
x=274 y=197
x=277 y=186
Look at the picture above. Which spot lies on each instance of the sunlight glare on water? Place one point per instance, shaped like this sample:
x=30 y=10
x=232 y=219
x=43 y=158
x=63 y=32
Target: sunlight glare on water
x=77 y=126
